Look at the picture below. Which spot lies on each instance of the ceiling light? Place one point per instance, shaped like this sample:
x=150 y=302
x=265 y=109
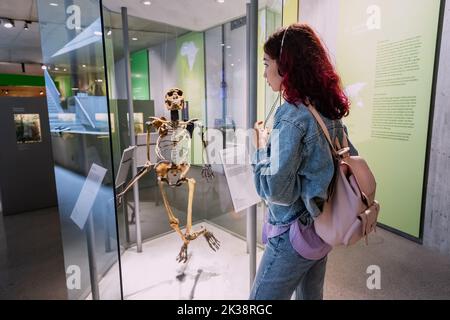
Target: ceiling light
x=41 y=92
x=26 y=25
x=220 y=1
x=98 y=33
x=146 y=3
x=8 y=24
x=56 y=69
x=43 y=67
x=53 y=4
x=84 y=66
x=65 y=69
x=109 y=32
x=134 y=39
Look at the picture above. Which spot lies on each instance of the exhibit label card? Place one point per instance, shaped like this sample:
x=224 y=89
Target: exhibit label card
x=87 y=196
x=239 y=174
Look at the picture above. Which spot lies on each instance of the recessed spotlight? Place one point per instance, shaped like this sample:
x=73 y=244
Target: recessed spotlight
x=56 y=69
x=134 y=39
x=43 y=67
x=84 y=66
x=146 y=3
x=53 y=4
x=8 y=24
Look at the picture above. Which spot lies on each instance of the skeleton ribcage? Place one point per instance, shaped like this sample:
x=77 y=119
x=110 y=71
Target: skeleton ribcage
x=174 y=146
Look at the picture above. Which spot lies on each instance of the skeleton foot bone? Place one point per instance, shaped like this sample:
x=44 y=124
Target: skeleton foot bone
x=207 y=172
x=212 y=240
x=183 y=256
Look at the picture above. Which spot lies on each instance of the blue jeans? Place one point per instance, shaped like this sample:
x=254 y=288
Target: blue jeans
x=282 y=271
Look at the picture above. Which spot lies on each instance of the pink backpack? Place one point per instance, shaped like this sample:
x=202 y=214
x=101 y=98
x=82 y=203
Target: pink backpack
x=351 y=211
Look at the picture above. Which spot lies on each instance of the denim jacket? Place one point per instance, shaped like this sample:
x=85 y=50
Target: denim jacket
x=293 y=171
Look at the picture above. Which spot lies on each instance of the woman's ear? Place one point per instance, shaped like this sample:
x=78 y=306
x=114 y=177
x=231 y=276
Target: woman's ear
x=280 y=73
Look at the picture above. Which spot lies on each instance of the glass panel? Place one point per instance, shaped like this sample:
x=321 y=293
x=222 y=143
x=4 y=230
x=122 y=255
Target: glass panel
x=203 y=53
x=270 y=19
x=71 y=37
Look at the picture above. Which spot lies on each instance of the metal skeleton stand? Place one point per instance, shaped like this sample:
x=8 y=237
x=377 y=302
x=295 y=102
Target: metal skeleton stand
x=252 y=60
x=122 y=173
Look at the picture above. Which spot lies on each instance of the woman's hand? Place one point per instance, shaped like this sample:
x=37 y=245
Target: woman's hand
x=261 y=135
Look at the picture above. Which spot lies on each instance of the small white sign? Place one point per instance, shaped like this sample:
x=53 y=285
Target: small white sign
x=239 y=174
x=87 y=196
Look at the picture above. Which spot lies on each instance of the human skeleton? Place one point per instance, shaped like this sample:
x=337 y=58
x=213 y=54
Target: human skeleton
x=172 y=150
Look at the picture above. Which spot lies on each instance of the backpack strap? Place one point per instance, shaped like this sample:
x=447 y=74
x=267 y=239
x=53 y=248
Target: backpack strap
x=322 y=125
x=337 y=149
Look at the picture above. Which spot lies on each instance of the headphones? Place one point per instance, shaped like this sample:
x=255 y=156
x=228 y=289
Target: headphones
x=281 y=49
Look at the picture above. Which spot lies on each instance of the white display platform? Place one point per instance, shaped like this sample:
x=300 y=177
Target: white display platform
x=155 y=274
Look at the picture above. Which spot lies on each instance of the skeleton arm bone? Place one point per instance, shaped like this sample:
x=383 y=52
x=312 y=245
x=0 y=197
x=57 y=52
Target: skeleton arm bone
x=147 y=166
x=207 y=172
x=144 y=170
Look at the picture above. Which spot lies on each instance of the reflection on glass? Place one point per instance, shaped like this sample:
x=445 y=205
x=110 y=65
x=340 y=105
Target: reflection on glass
x=72 y=47
x=28 y=128
x=138 y=122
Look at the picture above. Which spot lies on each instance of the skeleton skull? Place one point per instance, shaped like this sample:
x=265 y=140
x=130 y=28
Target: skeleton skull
x=174 y=99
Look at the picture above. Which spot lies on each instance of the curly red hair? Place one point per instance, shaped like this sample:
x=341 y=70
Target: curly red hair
x=307 y=70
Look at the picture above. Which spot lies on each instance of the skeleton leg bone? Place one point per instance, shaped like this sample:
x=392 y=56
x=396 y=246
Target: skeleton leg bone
x=213 y=243
x=191 y=186
x=174 y=224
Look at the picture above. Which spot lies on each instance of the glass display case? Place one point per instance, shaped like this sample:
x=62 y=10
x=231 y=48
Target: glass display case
x=108 y=59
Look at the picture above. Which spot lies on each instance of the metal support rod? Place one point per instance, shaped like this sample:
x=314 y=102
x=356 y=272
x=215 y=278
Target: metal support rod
x=90 y=236
x=126 y=50
x=125 y=215
x=107 y=232
x=252 y=60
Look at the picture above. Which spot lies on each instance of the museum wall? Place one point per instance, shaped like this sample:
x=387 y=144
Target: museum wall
x=27 y=180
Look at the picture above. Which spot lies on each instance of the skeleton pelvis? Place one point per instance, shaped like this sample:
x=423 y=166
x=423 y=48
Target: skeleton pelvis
x=171 y=173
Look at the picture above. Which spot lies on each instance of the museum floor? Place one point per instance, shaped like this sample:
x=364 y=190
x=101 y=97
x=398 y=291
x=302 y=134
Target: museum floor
x=32 y=267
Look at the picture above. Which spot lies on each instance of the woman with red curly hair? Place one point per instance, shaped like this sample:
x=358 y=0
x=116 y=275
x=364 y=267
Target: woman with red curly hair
x=293 y=167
